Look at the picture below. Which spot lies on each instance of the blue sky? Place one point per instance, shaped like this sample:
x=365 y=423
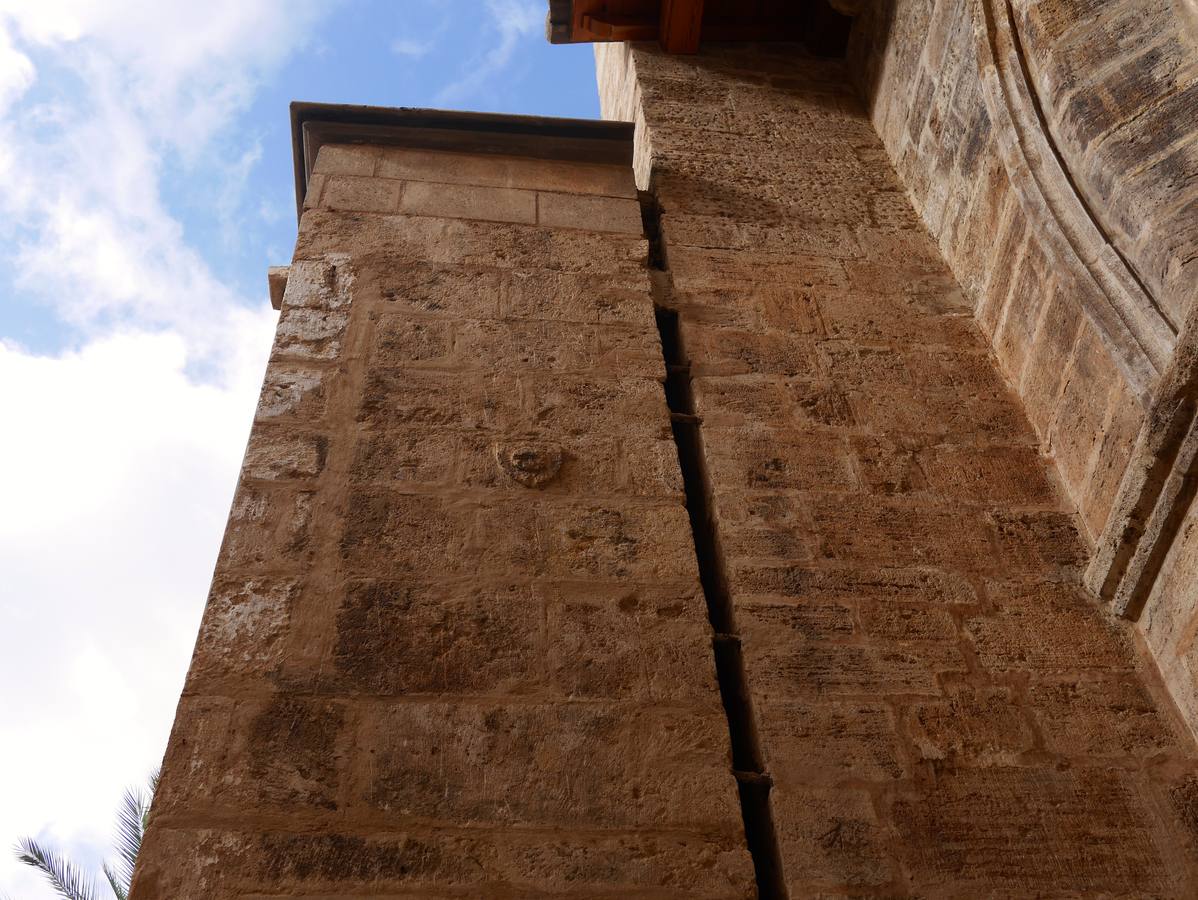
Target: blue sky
x=146 y=163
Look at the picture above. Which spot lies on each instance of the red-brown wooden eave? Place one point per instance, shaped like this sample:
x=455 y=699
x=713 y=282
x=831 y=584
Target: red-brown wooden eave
x=679 y=25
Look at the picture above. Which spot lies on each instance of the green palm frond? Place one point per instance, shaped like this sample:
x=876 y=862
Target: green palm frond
x=120 y=889
x=131 y=824
x=66 y=877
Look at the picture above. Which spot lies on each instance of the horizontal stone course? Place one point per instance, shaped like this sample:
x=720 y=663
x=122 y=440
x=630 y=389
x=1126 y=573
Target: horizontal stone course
x=502 y=171
x=420 y=862
x=592 y=213
x=469 y=202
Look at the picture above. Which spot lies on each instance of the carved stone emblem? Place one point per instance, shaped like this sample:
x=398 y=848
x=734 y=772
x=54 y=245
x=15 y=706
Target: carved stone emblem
x=530 y=464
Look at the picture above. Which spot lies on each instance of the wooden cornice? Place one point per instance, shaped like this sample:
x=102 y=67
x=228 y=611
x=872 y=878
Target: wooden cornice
x=680 y=25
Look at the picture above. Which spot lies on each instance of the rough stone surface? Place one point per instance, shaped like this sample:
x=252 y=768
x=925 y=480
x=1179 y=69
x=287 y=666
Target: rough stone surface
x=1109 y=93
x=918 y=66
x=456 y=645
x=943 y=709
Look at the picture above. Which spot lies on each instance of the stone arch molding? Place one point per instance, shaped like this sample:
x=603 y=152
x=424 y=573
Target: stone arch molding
x=1188 y=10
x=1124 y=312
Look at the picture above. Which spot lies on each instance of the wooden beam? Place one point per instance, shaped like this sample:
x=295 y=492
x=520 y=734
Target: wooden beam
x=681 y=23
x=618 y=28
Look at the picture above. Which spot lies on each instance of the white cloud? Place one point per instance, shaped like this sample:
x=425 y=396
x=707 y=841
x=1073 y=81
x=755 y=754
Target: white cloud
x=120 y=455
x=512 y=21
x=16 y=71
x=410 y=48
x=161 y=80
x=117 y=480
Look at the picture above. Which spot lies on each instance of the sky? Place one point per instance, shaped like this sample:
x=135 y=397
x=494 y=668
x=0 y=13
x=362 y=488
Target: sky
x=145 y=186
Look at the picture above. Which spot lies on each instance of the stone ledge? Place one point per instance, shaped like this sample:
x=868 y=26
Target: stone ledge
x=578 y=140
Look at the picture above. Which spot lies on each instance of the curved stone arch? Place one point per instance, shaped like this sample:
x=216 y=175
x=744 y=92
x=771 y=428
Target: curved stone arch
x=1139 y=335
x=1188 y=12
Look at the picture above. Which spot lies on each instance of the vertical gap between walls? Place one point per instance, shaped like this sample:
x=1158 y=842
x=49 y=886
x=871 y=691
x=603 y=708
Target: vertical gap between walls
x=748 y=762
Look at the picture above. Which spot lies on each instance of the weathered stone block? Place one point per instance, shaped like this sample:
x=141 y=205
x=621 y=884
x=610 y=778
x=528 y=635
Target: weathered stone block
x=783 y=671
x=293 y=391
x=860 y=316
x=408 y=397
x=573 y=404
x=1108 y=717
x=1046 y=627
x=979 y=726
x=803 y=618
x=308 y=333
x=1013 y=830
x=254 y=757
x=351 y=192
x=641 y=643
x=417 y=455
x=469 y=202
x=766 y=458
x=727 y=351
x=401 y=341
x=813 y=742
x=831 y=837
x=268 y=526
x=585 y=765
x=696 y=269
x=893 y=532
x=727 y=401
x=550 y=296
x=1039 y=542
x=748 y=541
x=604 y=540
x=1076 y=431
x=852 y=581
x=325 y=282
x=280 y=453
x=411 y=638
x=241 y=643
x=219 y=863
x=345 y=159
x=421 y=862
x=888 y=622
x=1125 y=416
x=888 y=466
x=387 y=532
x=505 y=171
x=589 y=213
x=754 y=307
x=989 y=476
x=461 y=243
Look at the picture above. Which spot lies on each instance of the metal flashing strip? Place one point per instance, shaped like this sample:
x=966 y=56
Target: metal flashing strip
x=579 y=140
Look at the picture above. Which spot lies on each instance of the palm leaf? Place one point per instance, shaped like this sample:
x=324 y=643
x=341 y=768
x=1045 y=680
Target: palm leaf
x=131 y=824
x=119 y=890
x=66 y=877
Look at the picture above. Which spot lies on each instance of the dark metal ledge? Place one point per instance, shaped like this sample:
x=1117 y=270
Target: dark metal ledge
x=579 y=140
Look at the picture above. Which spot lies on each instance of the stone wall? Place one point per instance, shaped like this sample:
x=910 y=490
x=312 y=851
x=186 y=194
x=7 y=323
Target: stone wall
x=460 y=638
x=1170 y=618
x=1050 y=148
x=455 y=645
x=940 y=706
x=1118 y=83
x=1034 y=277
